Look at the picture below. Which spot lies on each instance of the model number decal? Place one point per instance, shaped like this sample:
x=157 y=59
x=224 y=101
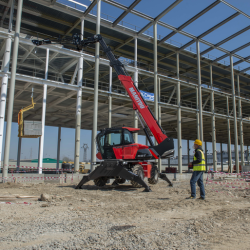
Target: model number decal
x=138 y=100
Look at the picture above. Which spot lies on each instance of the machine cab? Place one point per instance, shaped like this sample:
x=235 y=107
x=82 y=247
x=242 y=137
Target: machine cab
x=114 y=137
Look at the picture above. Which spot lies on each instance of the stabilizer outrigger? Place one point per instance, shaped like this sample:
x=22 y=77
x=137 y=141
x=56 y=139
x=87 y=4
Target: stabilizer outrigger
x=112 y=169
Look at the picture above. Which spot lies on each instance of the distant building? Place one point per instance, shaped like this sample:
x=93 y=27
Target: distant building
x=47 y=160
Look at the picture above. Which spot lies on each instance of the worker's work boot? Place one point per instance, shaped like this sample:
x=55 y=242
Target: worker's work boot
x=201 y=198
x=190 y=198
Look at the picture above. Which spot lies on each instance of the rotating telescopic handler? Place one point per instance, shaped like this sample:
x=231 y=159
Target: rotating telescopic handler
x=122 y=158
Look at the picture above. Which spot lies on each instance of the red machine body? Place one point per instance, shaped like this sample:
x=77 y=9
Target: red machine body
x=122 y=158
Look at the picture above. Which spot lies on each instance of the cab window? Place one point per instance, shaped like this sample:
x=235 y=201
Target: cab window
x=128 y=137
x=113 y=138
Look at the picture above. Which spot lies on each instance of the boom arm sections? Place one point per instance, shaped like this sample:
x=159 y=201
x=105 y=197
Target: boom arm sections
x=145 y=112
x=165 y=147
x=139 y=103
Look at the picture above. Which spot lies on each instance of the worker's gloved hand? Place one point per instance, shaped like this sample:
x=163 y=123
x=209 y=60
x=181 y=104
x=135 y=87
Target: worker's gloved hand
x=190 y=165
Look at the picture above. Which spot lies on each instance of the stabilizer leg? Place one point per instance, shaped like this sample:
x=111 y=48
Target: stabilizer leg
x=113 y=168
x=133 y=177
x=84 y=180
x=165 y=178
x=114 y=183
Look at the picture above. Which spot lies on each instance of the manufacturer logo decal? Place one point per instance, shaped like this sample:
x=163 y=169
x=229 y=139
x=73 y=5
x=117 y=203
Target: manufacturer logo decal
x=137 y=98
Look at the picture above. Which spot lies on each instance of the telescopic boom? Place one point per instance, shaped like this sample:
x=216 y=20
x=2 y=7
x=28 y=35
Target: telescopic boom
x=165 y=147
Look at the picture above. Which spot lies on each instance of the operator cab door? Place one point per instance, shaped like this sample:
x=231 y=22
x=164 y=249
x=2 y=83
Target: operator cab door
x=114 y=138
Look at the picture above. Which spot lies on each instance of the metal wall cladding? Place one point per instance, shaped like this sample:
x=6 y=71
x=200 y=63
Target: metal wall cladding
x=32 y=128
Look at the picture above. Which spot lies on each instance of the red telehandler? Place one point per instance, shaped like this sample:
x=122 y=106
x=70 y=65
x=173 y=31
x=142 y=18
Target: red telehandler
x=123 y=159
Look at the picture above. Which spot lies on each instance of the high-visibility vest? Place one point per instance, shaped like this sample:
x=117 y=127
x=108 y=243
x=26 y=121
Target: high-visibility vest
x=200 y=166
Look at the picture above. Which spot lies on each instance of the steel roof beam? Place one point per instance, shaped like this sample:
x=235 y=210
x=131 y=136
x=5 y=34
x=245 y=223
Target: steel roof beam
x=41 y=95
x=234 y=8
x=115 y=95
x=240 y=61
x=125 y=12
x=162 y=14
x=87 y=11
x=60 y=99
x=244 y=70
x=124 y=43
x=190 y=21
x=218 y=25
x=39 y=59
x=26 y=85
x=210 y=30
x=232 y=52
x=62 y=8
x=183 y=32
x=6 y=10
x=123 y=7
x=2 y=51
x=27 y=53
x=68 y=65
x=226 y=39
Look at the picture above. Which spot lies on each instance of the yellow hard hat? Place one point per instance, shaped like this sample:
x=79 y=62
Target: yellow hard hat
x=198 y=142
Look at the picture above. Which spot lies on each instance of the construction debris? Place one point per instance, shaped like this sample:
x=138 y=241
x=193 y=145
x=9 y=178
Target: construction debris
x=125 y=218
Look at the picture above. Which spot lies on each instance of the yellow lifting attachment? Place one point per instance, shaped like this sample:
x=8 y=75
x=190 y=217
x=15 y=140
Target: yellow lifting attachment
x=20 y=120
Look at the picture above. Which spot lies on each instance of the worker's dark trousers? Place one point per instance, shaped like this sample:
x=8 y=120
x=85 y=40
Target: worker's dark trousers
x=197 y=177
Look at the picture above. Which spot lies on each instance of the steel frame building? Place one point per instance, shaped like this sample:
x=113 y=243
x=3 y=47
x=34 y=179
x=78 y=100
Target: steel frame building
x=195 y=97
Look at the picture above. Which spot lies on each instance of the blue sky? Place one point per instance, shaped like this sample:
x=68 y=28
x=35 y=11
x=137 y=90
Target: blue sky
x=179 y=15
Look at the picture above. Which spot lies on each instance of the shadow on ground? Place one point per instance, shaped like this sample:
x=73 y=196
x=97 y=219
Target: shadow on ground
x=122 y=188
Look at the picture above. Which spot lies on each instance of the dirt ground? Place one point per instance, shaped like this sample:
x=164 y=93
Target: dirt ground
x=124 y=217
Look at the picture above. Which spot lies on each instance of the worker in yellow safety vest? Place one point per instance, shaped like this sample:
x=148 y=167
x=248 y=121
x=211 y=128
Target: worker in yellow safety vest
x=199 y=166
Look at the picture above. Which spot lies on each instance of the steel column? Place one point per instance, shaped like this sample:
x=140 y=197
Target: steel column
x=199 y=88
x=38 y=150
x=247 y=156
x=229 y=150
x=4 y=88
x=12 y=89
x=159 y=98
x=41 y=141
x=79 y=106
x=235 y=117
x=19 y=153
x=188 y=153
x=58 y=147
x=155 y=73
x=213 y=121
x=5 y=68
x=221 y=157
x=159 y=119
x=95 y=109
x=178 y=92
x=197 y=115
x=156 y=80
x=136 y=83
x=110 y=98
x=241 y=123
